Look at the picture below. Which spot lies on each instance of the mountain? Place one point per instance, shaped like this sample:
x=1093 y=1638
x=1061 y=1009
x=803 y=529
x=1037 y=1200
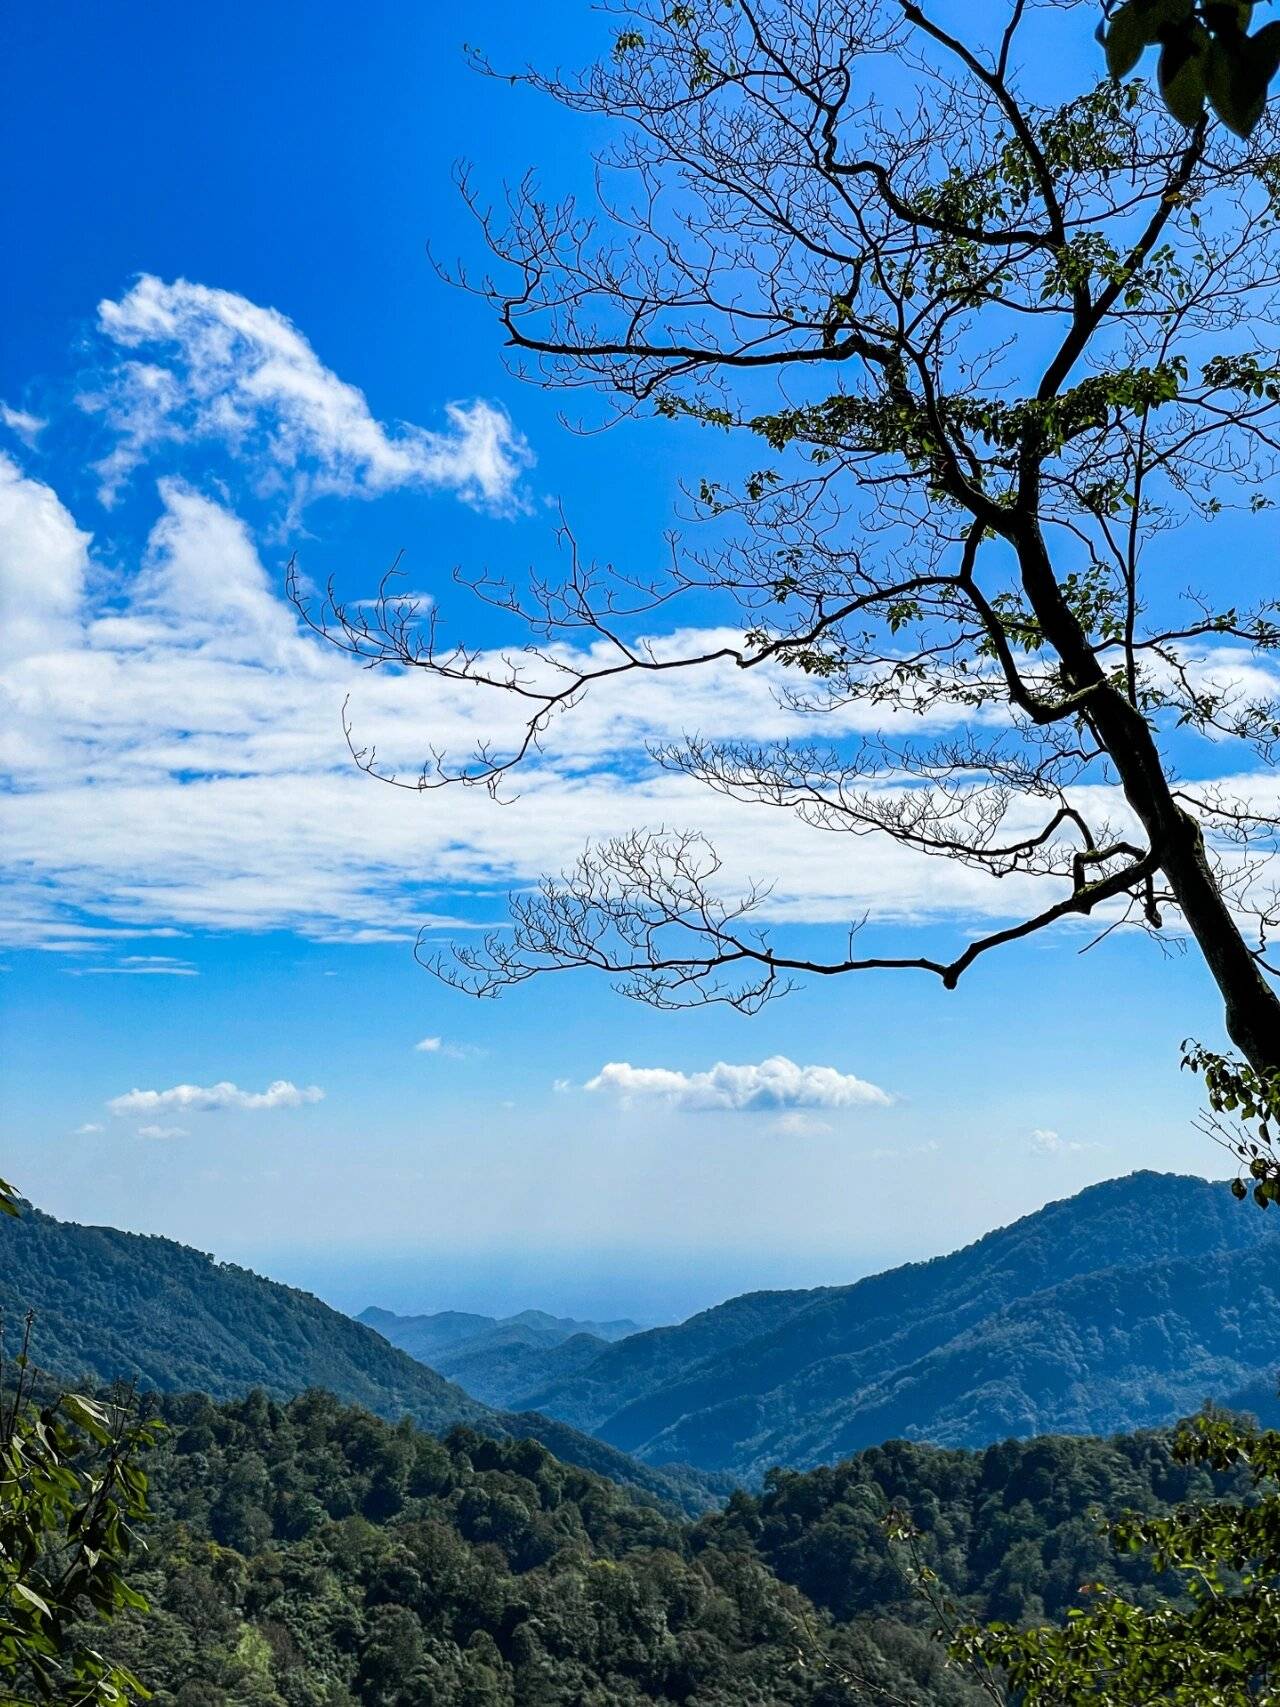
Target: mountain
x=449 y=1329
x=1122 y=1307
x=648 y=1361
x=1125 y=1306
x=123 y=1306
x=495 y=1357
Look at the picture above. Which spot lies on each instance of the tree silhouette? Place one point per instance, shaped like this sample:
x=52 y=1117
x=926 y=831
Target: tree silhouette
x=993 y=347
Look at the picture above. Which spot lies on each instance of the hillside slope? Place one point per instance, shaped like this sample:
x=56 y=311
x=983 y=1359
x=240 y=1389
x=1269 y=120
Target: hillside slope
x=649 y=1362
x=1099 y=1312
x=124 y=1306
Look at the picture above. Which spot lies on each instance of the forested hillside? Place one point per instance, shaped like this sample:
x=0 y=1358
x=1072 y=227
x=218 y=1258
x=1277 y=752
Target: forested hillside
x=121 y=1306
x=1117 y=1308
x=310 y=1554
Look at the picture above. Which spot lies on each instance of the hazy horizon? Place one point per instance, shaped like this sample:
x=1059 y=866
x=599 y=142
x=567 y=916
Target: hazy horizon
x=654 y=1286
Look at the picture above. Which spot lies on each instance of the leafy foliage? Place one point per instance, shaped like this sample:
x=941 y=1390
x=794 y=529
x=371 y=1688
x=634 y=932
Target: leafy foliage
x=1207 y=53
x=1219 y=1646
x=72 y=1492
x=310 y=1554
x=1244 y=1117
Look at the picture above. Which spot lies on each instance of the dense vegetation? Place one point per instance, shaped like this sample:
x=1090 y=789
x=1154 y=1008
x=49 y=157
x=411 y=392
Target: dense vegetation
x=306 y=1554
x=121 y=1307
x=1217 y=1645
x=1095 y=1314
x=310 y=1555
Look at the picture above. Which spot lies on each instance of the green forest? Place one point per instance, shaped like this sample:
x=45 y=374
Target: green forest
x=311 y=1555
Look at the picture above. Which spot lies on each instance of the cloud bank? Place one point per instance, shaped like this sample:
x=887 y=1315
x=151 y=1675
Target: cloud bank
x=775 y=1084
x=281 y=1093
x=175 y=745
x=172 y=737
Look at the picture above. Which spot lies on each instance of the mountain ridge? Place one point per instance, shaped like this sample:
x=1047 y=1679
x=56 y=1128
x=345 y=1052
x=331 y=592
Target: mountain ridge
x=712 y=1392
x=111 y=1305
x=1117 y=1308
x=496 y=1357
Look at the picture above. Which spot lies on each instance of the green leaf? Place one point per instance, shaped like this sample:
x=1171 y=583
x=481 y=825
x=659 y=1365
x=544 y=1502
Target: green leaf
x=1126 y=37
x=91 y=1417
x=30 y=1594
x=1236 y=85
x=1182 y=79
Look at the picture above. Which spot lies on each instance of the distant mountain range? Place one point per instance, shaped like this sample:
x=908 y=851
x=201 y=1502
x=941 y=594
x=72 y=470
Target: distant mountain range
x=1123 y=1307
x=122 y=1306
x=494 y=1356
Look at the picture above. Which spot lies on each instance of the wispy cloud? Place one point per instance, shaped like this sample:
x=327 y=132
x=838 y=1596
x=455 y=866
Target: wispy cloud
x=796 y=1123
x=22 y=424
x=1051 y=1143
x=174 y=737
x=88 y=1127
x=281 y=1093
x=138 y=966
x=449 y=1051
x=212 y=364
x=777 y=1083
x=162 y=1132
x=180 y=759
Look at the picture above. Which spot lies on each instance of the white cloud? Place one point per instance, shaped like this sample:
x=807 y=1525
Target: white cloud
x=279 y=1094
x=447 y=1051
x=162 y=1132
x=777 y=1083
x=22 y=424
x=1051 y=1143
x=43 y=558
x=138 y=966
x=176 y=759
x=219 y=366
x=797 y=1124
x=89 y=1126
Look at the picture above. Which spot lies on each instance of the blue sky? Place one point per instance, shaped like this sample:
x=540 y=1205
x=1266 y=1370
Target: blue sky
x=205 y=894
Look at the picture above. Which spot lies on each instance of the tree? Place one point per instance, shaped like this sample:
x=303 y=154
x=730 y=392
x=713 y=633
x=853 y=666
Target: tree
x=1219 y=1648
x=71 y=1496
x=991 y=348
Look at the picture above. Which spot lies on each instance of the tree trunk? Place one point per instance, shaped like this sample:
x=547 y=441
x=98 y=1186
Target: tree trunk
x=1251 y=1004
